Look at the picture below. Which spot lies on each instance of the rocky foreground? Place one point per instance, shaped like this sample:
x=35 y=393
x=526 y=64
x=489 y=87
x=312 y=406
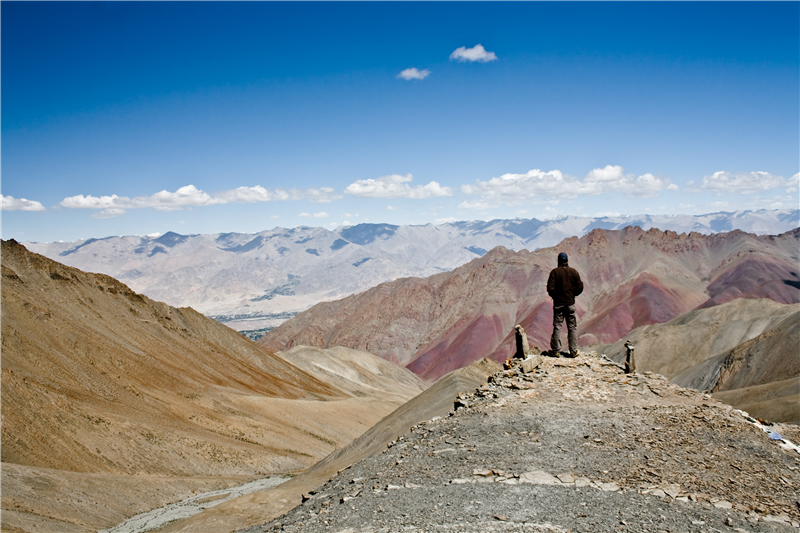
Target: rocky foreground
x=576 y=445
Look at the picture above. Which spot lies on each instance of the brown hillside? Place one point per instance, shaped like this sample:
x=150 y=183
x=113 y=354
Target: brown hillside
x=98 y=379
x=749 y=346
x=632 y=277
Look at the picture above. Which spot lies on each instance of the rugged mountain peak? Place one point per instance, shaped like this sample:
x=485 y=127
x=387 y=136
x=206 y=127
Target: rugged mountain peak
x=252 y=280
x=633 y=277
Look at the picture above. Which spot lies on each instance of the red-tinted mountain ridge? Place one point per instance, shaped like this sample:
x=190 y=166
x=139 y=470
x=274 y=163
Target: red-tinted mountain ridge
x=632 y=277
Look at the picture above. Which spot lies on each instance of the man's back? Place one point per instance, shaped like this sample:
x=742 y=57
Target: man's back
x=563 y=285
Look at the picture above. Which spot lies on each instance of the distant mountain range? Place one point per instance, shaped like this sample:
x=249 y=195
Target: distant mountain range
x=251 y=281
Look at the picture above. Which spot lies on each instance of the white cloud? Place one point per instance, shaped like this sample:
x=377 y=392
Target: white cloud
x=793 y=183
x=323 y=195
x=191 y=196
x=539 y=186
x=111 y=212
x=414 y=74
x=321 y=214
x=93 y=202
x=9 y=203
x=188 y=195
x=742 y=183
x=476 y=53
x=396 y=186
x=249 y=195
x=607 y=174
x=391 y=208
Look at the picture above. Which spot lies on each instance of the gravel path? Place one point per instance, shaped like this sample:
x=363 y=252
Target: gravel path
x=574 y=446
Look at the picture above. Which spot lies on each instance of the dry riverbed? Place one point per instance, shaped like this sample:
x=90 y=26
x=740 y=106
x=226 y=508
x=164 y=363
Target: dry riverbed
x=158 y=518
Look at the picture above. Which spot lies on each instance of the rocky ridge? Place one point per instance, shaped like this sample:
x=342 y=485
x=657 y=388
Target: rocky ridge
x=745 y=352
x=576 y=445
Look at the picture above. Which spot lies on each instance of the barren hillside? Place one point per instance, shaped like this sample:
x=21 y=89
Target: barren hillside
x=747 y=352
x=99 y=380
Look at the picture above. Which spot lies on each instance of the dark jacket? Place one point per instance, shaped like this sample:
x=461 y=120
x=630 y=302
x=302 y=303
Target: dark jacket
x=563 y=285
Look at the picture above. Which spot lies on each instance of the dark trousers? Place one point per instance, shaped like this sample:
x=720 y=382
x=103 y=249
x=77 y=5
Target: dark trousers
x=560 y=313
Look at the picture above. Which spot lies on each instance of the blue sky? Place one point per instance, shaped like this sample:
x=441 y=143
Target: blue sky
x=145 y=117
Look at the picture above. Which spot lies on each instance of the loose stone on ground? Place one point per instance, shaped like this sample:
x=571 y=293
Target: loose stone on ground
x=574 y=445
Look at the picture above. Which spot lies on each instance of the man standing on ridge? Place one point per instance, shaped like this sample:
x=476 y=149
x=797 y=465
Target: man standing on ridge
x=563 y=285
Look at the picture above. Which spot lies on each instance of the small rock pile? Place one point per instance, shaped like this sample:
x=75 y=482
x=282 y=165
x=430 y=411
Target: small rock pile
x=572 y=445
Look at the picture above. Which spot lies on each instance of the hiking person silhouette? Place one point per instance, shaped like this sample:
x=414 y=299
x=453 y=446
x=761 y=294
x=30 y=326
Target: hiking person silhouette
x=563 y=285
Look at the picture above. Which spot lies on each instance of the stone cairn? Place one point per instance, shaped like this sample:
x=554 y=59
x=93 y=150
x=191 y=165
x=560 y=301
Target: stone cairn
x=630 y=366
x=525 y=356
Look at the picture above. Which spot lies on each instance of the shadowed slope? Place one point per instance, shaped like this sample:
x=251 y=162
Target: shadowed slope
x=632 y=278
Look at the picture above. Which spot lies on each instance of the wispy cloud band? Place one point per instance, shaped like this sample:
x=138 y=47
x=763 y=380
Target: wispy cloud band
x=742 y=183
x=396 y=186
x=191 y=196
x=512 y=189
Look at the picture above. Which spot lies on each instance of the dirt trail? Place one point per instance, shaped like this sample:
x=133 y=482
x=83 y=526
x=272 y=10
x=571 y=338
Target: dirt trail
x=158 y=518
